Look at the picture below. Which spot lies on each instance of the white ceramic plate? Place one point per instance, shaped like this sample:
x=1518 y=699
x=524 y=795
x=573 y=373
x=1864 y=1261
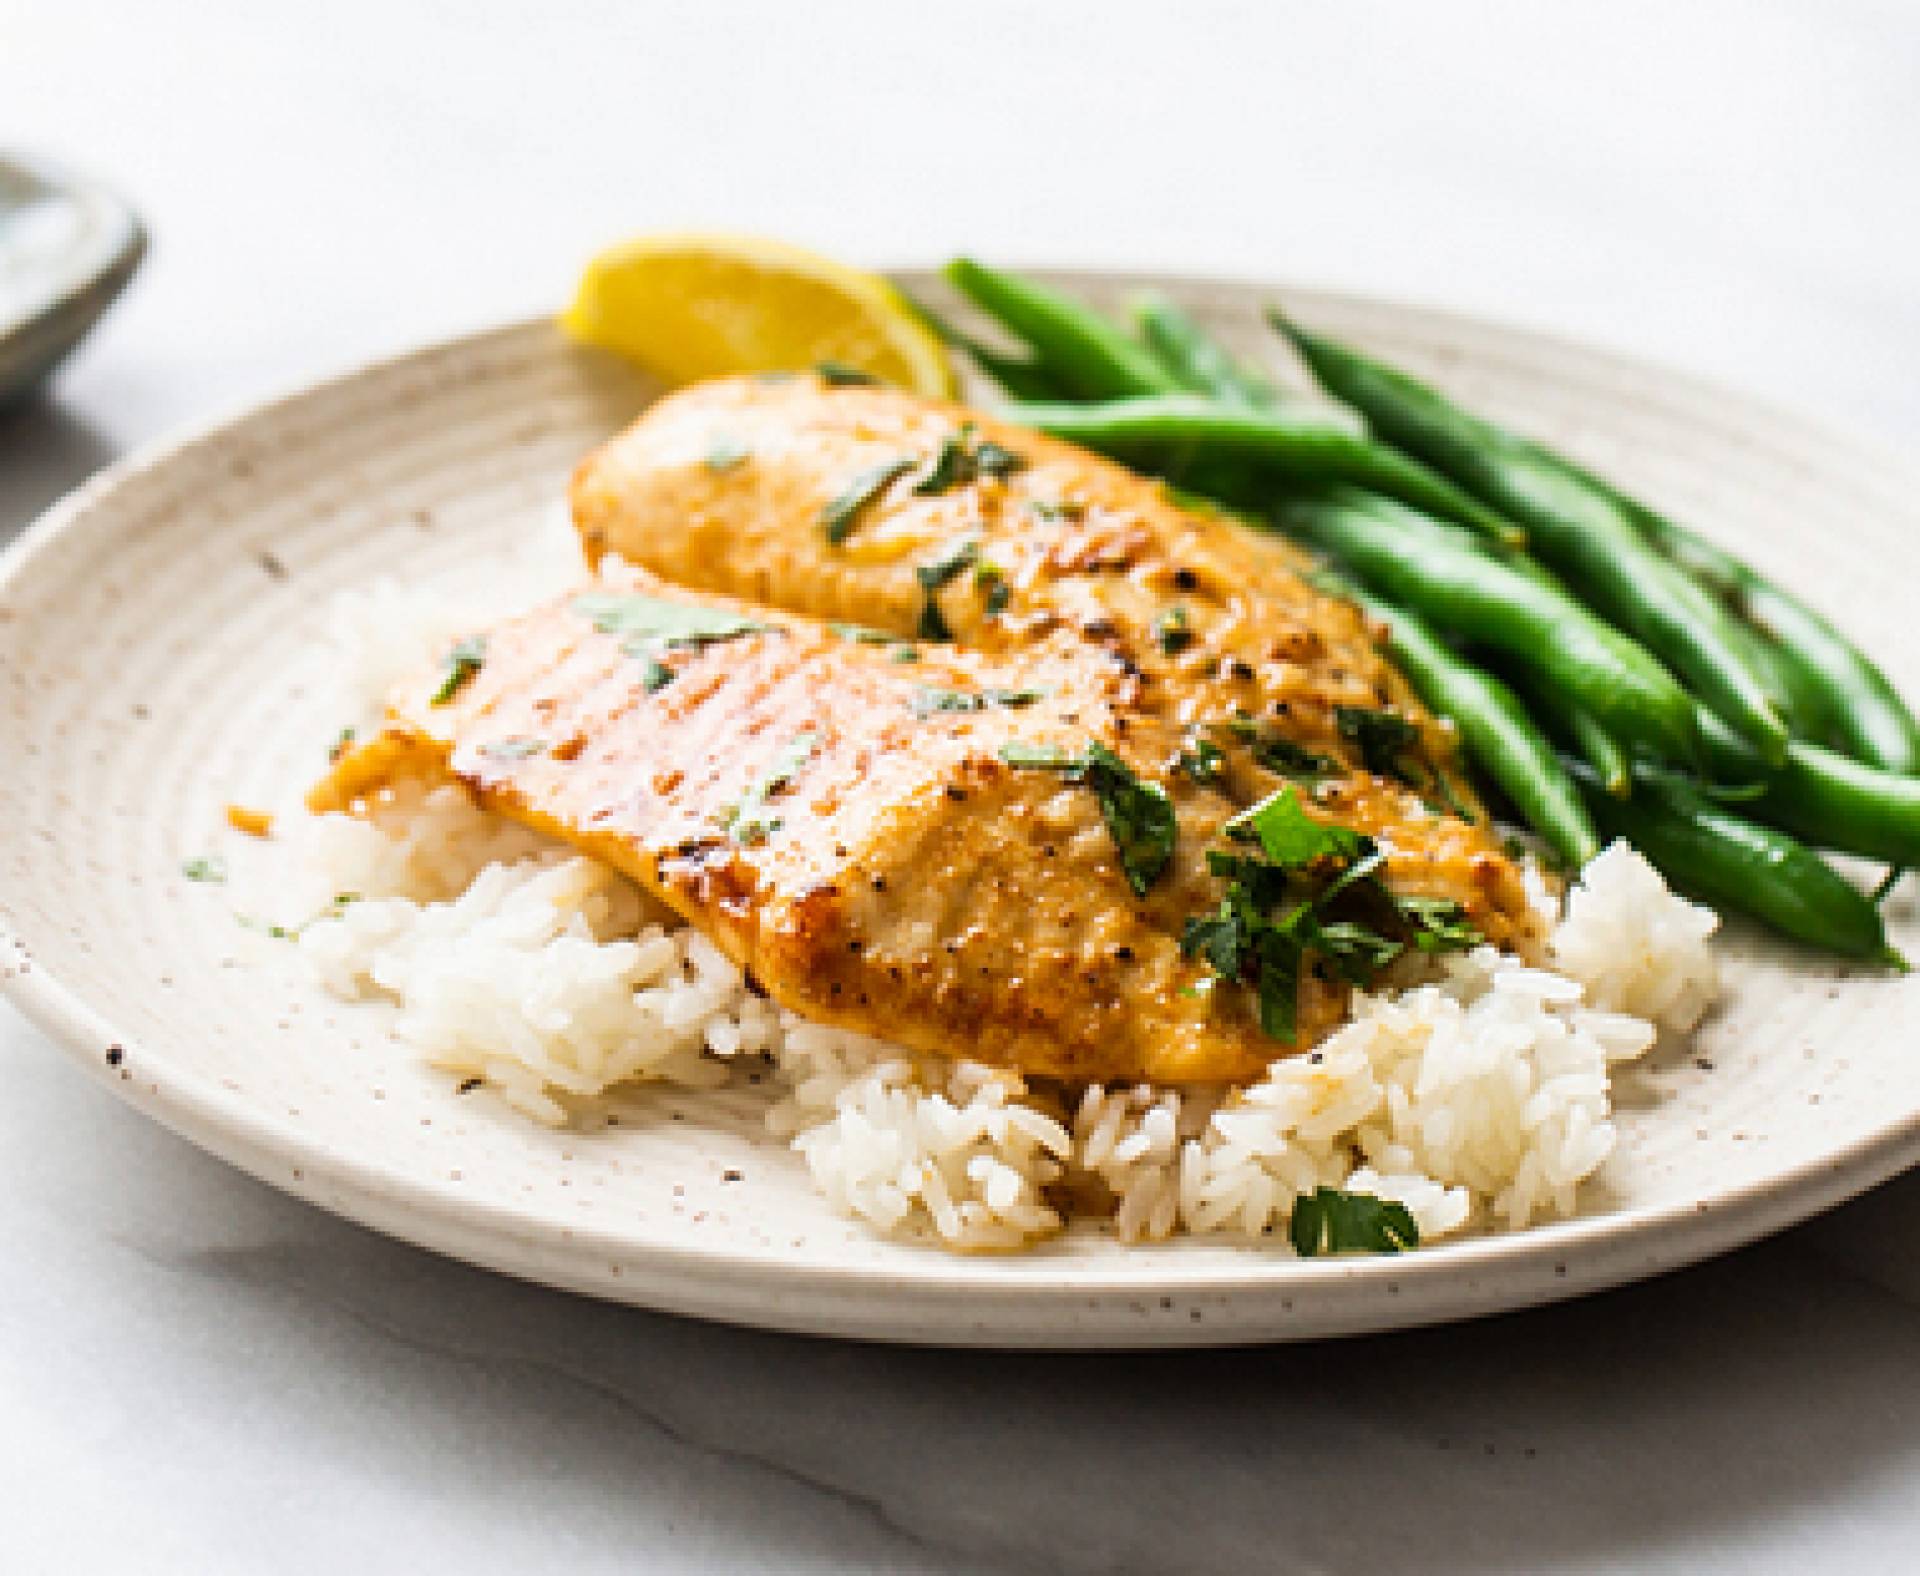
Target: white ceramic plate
x=157 y=638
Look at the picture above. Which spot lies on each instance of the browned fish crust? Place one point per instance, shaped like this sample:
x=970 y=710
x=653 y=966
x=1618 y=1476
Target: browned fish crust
x=1092 y=557
x=910 y=883
x=871 y=857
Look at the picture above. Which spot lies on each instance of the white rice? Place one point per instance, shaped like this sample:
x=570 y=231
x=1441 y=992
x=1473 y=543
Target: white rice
x=1479 y=1098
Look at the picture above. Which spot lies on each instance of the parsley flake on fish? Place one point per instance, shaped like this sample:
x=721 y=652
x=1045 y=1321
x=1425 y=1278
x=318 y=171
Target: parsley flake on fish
x=1138 y=814
x=1310 y=887
x=927 y=700
x=749 y=821
x=465 y=659
x=842 y=513
x=837 y=374
x=1173 y=629
x=963 y=458
x=953 y=561
x=1277 y=753
x=1389 y=747
x=1203 y=762
x=643 y=622
x=726 y=454
x=515 y=747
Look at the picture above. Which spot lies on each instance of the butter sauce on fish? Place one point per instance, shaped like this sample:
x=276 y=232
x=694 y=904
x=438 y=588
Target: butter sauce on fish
x=1095 y=787
x=850 y=828
x=747 y=486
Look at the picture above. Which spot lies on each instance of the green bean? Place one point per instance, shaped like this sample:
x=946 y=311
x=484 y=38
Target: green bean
x=1572 y=725
x=1074 y=345
x=1499 y=736
x=1854 y=703
x=1302 y=444
x=1019 y=377
x=1847 y=698
x=1579 y=529
x=1732 y=863
x=1442 y=575
x=1198 y=362
x=1600 y=750
x=1840 y=692
x=1797 y=695
x=1829 y=799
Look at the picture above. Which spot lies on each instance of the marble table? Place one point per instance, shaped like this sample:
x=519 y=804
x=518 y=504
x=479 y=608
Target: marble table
x=197 y=1374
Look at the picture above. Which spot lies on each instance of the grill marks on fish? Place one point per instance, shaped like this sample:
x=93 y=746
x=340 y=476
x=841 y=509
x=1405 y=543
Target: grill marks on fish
x=1092 y=557
x=1083 y=545
x=918 y=887
x=898 y=876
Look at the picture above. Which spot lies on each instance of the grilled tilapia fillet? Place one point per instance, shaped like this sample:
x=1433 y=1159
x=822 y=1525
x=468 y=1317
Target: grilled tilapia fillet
x=919 y=518
x=816 y=807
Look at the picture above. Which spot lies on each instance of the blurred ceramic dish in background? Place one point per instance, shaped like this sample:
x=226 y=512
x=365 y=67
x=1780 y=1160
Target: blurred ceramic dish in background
x=67 y=249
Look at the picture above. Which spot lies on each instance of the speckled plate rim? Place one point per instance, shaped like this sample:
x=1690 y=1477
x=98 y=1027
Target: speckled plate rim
x=1034 y=1300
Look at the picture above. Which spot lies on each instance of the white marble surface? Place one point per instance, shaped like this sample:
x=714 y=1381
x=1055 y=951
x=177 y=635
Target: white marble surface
x=199 y=1375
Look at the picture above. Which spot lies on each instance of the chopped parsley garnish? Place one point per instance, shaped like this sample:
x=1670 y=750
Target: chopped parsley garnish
x=343 y=741
x=953 y=561
x=749 y=821
x=964 y=457
x=933 y=623
x=927 y=701
x=1173 y=630
x=1056 y=509
x=1139 y=817
x=949 y=468
x=842 y=514
x=1438 y=924
x=649 y=625
x=837 y=374
x=1304 y=887
x=1203 y=761
x=724 y=454
x=646 y=623
x=1138 y=813
x=1282 y=755
x=205 y=867
x=1328 y=1220
x=294 y=932
x=1279 y=754
x=860 y=634
x=990 y=580
x=1290 y=837
x=1389 y=747
x=863 y=635
x=461 y=663
x=1047 y=757
x=1384 y=739
x=515 y=747
x=995 y=460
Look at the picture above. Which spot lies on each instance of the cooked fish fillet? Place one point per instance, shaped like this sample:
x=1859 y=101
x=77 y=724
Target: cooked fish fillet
x=865 y=852
x=742 y=485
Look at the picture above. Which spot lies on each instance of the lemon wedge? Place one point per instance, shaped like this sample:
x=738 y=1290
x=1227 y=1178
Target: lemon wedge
x=700 y=306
